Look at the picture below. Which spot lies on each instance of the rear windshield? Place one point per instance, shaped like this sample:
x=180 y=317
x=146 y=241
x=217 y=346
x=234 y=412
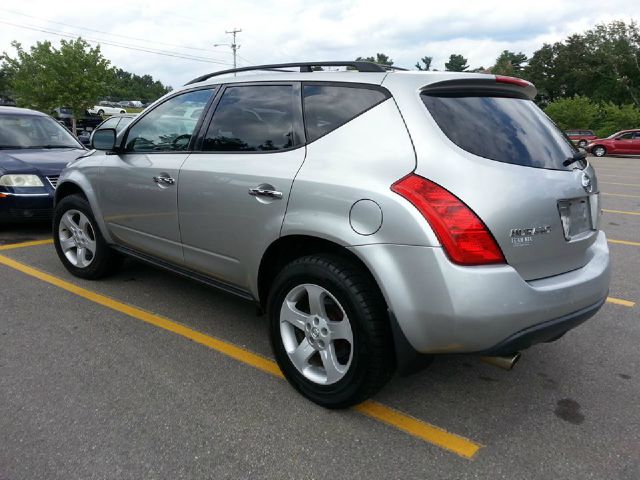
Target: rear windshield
x=505 y=129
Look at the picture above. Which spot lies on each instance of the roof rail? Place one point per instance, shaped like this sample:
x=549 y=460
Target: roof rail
x=304 y=67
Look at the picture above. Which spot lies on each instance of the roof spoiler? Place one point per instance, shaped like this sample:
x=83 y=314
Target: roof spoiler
x=484 y=84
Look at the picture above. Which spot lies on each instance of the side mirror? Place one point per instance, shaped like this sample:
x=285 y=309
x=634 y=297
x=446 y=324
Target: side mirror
x=104 y=139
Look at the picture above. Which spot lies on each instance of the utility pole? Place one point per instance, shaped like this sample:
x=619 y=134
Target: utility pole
x=234 y=46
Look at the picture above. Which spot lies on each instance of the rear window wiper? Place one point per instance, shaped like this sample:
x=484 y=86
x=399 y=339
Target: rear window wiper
x=576 y=157
x=12 y=147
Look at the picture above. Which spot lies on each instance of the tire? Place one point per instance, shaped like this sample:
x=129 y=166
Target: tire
x=599 y=151
x=123 y=111
x=363 y=364
x=101 y=112
x=78 y=241
x=582 y=143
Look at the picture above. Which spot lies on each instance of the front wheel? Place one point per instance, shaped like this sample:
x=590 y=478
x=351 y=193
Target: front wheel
x=100 y=112
x=582 y=143
x=79 y=244
x=330 y=330
x=599 y=151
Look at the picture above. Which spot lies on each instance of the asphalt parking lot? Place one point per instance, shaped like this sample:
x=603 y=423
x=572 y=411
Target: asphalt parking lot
x=147 y=375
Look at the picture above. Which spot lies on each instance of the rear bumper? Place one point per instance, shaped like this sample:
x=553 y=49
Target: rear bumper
x=27 y=208
x=544 y=332
x=445 y=308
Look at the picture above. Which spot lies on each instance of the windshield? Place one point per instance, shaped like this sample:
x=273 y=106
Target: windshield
x=34 y=131
x=501 y=128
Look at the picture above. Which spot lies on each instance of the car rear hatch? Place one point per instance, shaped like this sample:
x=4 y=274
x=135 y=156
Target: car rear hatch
x=510 y=164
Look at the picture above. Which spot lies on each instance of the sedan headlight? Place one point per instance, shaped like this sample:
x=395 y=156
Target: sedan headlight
x=21 y=181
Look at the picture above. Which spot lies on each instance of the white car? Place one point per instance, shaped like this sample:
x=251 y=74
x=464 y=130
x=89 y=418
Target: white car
x=106 y=108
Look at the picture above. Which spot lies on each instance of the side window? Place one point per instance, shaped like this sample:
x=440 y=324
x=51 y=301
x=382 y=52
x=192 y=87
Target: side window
x=111 y=123
x=625 y=136
x=252 y=119
x=636 y=136
x=169 y=126
x=327 y=107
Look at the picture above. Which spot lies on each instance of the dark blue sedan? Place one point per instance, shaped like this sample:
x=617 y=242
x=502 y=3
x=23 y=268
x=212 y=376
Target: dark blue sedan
x=34 y=149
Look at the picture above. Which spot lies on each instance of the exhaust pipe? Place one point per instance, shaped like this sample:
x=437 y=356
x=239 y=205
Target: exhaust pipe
x=506 y=362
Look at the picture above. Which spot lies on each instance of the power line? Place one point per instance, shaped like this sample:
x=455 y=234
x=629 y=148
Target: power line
x=138 y=49
x=107 y=33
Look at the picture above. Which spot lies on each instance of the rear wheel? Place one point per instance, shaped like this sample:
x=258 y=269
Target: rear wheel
x=599 y=151
x=329 y=330
x=78 y=241
x=582 y=143
x=100 y=112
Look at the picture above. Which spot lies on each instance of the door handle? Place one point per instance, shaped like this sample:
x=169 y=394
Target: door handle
x=164 y=180
x=263 y=192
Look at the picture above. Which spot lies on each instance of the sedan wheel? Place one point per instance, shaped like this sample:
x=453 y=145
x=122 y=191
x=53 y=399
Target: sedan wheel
x=599 y=151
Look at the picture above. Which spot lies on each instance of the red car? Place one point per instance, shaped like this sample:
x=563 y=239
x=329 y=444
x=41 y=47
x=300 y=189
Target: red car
x=626 y=142
x=581 y=137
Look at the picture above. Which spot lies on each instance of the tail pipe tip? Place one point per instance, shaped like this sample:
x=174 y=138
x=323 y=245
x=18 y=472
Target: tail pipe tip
x=506 y=362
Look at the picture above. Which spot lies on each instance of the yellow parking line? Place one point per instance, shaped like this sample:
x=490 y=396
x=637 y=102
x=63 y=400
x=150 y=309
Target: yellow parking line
x=619 y=301
x=459 y=445
x=620 y=211
x=624 y=242
x=619 y=195
x=417 y=428
x=33 y=243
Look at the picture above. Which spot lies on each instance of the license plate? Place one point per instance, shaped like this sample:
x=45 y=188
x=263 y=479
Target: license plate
x=576 y=217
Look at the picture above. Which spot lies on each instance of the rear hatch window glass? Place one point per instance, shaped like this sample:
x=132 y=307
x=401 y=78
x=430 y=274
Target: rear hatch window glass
x=502 y=128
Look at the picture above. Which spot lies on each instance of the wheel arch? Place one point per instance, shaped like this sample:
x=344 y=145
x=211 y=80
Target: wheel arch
x=74 y=184
x=287 y=248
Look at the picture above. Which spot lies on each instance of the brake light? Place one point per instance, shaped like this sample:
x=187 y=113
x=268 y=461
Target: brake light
x=465 y=238
x=512 y=81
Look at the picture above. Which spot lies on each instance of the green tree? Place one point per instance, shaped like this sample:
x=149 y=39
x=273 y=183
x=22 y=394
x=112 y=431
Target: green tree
x=5 y=89
x=426 y=64
x=575 y=112
x=45 y=77
x=615 y=118
x=602 y=64
x=380 y=58
x=509 y=63
x=129 y=86
x=456 y=63
x=616 y=52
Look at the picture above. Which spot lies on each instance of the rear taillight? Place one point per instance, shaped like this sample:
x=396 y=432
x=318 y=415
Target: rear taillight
x=465 y=238
x=512 y=81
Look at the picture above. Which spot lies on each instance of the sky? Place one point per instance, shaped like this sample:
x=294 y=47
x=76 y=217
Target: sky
x=299 y=30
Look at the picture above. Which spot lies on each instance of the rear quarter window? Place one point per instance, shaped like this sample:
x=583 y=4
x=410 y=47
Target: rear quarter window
x=327 y=107
x=502 y=128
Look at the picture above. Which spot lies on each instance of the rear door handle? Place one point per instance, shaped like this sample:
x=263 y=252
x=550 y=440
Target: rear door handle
x=164 y=180
x=263 y=192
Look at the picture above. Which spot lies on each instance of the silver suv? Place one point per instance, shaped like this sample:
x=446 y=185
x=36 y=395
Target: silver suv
x=377 y=216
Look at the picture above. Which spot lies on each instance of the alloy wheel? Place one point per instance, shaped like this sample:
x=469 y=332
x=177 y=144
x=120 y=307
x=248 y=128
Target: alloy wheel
x=77 y=238
x=316 y=334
